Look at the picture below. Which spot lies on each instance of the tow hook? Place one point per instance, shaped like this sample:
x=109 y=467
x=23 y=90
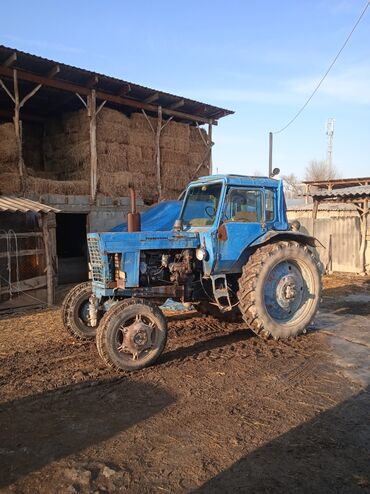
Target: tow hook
x=93 y=310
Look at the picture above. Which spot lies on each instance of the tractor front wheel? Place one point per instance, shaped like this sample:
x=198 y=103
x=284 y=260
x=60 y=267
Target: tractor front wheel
x=280 y=289
x=75 y=312
x=131 y=335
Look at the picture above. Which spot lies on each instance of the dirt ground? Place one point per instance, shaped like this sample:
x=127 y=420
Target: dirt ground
x=222 y=411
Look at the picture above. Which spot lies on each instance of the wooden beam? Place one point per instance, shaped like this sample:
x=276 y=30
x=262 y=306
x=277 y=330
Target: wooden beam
x=53 y=72
x=20 y=253
x=25 y=285
x=10 y=60
x=126 y=88
x=91 y=109
x=210 y=143
x=82 y=90
x=177 y=104
x=158 y=152
x=315 y=209
x=151 y=98
x=48 y=259
x=92 y=82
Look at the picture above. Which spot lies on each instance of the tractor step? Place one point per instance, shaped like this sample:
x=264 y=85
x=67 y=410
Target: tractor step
x=221 y=292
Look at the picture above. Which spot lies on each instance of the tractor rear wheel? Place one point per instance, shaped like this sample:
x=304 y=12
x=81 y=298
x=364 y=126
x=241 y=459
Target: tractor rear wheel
x=131 y=335
x=75 y=312
x=209 y=309
x=280 y=289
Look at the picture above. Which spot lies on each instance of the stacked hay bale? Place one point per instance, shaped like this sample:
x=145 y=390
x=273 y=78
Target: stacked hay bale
x=9 y=175
x=57 y=156
x=127 y=154
x=113 y=137
x=66 y=155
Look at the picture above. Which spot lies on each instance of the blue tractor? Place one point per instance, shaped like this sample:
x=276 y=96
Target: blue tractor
x=230 y=253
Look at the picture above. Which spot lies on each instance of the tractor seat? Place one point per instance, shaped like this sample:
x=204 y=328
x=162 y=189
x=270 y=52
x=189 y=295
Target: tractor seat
x=247 y=216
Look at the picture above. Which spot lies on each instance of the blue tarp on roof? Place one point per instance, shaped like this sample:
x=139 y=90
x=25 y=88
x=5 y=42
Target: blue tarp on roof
x=160 y=217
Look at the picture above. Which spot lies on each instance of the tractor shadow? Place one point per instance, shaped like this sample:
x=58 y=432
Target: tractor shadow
x=40 y=429
x=330 y=453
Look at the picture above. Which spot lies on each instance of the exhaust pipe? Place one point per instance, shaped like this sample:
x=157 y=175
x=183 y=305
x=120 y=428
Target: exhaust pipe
x=133 y=218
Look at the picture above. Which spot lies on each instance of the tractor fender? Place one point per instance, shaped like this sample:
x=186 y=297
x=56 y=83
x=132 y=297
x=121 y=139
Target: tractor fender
x=287 y=235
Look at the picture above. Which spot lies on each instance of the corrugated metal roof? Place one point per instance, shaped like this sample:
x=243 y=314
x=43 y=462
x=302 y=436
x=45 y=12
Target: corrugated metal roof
x=22 y=205
x=323 y=207
x=347 y=192
x=68 y=73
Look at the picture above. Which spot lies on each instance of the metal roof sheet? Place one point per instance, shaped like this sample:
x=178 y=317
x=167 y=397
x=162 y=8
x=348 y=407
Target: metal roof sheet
x=347 y=192
x=68 y=73
x=23 y=205
x=328 y=206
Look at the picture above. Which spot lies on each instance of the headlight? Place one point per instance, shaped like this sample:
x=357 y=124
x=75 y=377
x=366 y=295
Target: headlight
x=201 y=254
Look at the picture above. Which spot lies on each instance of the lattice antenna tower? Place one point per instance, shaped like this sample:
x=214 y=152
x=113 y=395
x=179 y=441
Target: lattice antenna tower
x=329 y=134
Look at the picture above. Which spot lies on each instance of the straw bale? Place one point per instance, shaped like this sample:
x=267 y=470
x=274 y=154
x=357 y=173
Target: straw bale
x=180 y=159
x=142 y=138
x=139 y=122
x=112 y=133
x=10 y=183
x=8 y=148
x=112 y=163
x=66 y=187
x=107 y=115
x=134 y=154
x=176 y=130
x=177 y=145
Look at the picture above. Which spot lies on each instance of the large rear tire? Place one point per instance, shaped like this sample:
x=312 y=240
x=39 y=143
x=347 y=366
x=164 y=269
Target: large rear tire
x=280 y=289
x=131 y=335
x=75 y=314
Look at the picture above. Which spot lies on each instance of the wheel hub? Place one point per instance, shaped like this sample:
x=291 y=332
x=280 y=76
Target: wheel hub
x=136 y=338
x=288 y=291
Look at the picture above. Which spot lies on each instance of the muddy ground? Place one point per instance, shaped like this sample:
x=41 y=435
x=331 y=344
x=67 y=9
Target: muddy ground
x=222 y=411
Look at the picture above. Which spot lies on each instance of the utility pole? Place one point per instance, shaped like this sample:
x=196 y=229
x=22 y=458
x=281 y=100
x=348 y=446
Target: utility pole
x=270 y=154
x=329 y=148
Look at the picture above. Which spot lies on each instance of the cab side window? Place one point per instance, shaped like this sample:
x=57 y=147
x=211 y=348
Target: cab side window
x=243 y=205
x=269 y=205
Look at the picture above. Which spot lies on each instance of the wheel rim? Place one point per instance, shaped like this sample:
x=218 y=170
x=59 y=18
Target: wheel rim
x=288 y=292
x=83 y=314
x=136 y=337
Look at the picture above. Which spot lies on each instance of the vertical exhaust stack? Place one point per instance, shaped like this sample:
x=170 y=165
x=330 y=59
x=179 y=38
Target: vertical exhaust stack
x=133 y=218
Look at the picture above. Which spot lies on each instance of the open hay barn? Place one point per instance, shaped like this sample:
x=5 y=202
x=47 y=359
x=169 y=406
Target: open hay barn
x=75 y=140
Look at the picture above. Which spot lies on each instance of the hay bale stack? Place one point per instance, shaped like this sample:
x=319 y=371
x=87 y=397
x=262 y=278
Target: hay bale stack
x=67 y=145
x=33 y=154
x=8 y=149
x=9 y=175
x=10 y=183
x=64 y=187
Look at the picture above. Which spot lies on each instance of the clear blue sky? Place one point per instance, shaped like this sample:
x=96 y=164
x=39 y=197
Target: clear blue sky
x=261 y=59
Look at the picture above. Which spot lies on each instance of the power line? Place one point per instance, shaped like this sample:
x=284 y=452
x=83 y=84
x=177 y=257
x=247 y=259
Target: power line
x=327 y=72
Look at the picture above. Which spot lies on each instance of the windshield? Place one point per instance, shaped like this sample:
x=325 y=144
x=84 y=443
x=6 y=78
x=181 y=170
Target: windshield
x=201 y=205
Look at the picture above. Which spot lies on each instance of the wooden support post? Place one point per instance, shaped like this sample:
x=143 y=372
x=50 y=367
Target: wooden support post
x=315 y=209
x=18 y=104
x=18 y=132
x=50 y=278
x=363 y=222
x=91 y=111
x=210 y=143
x=158 y=152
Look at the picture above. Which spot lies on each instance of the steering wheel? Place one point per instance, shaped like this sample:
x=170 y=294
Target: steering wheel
x=210 y=211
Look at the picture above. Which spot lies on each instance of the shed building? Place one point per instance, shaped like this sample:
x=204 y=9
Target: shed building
x=75 y=139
